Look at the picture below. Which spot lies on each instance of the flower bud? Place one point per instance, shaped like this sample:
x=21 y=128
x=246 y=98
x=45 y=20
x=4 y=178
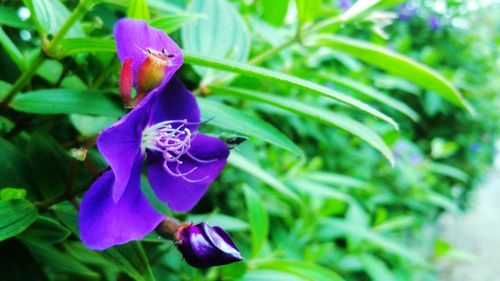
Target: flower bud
x=152 y=70
x=204 y=246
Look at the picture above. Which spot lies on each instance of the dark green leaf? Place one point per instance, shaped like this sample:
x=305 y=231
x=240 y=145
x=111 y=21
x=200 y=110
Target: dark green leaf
x=65 y=101
x=15 y=217
x=14 y=170
x=132 y=260
x=45 y=230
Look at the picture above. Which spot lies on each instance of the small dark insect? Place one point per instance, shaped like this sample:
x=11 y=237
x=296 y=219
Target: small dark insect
x=234 y=141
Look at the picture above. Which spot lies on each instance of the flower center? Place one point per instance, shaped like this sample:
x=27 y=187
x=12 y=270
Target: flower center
x=172 y=139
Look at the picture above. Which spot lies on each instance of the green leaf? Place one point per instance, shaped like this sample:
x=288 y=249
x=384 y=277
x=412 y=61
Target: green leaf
x=327 y=225
x=9 y=17
x=46 y=231
x=49 y=163
x=50 y=70
x=50 y=15
x=73 y=46
x=307 y=9
x=15 y=217
x=90 y=125
x=376 y=268
x=258 y=218
x=132 y=260
x=284 y=79
x=232 y=119
x=11 y=48
x=138 y=9
x=66 y=101
x=266 y=275
x=317 y=113
x=319 y=190
x=226 y=222
x=373 y=93
x=275 y=11
x=359 y=8
x=17 y=263
x=304 y=269
x=10 y=193
x=447 y=170
x=336 y=179
x=240 y=162
x=221 y=33
x=398 y=65
x=13 y=171
x=58 y=262
x=172 y=23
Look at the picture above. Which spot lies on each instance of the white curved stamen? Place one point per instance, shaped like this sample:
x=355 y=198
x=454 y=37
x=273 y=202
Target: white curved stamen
x=173 y=140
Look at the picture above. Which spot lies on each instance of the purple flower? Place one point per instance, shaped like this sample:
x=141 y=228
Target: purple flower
x=406 y=11
x=434 y=23
x=345 y=4
x=204 y=246
x=181 y=164
x=149 y=57
x=475 y=147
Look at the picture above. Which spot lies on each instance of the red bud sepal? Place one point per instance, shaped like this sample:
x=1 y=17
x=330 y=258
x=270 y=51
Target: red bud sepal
x=126 y=78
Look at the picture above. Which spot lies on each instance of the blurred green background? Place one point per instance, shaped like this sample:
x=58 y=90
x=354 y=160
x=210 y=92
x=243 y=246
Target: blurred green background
x=312 y=194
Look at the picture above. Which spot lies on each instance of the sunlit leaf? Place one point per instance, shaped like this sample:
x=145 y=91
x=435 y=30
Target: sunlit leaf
x=396 y=64
x=317 y=113
x=284 y=79
x=259 y=219
x=232 y=119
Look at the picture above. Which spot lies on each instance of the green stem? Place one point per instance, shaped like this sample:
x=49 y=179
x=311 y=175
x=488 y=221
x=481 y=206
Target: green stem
x=21 y=82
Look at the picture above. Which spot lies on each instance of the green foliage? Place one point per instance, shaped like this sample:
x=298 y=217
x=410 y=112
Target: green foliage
x=356 y=144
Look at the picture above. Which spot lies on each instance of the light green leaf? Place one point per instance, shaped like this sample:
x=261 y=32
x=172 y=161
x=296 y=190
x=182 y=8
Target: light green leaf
x=232 y=119
x=373 y=93
x=138 y=9
x=221 y=33
x=368 y=235
x=10 y=193
x=284 y=79
x=307 y=9
x=259 y=219
x=398 y=65
x=15 y=217
x=132 y=260
x=376 y=268
x=274 y=11
x=9 y=17
x=447 y=170
x=240 y=162
x=90 y=125
x=359 y=7
x=266 y=275
x=172 y=23
x=50 y=15
x=73 y=46
x=317 y=113
x=66 y=101
x=336 y=179
x=11 y=48
x=304 y=269
x=226 y=222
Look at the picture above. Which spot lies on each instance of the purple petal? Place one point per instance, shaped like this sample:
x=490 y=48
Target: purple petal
x=179 y=194
x=134 y=37
x=104 y=223
x=175 y=102
x=120 y=145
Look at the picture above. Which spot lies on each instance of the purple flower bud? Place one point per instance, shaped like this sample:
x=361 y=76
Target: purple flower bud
x=434 y=22
x=406 y=12
x=345 y=4
x=204 y=246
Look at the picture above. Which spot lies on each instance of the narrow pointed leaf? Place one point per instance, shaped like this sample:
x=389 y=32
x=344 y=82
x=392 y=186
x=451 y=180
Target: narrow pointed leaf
x=284 y=79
